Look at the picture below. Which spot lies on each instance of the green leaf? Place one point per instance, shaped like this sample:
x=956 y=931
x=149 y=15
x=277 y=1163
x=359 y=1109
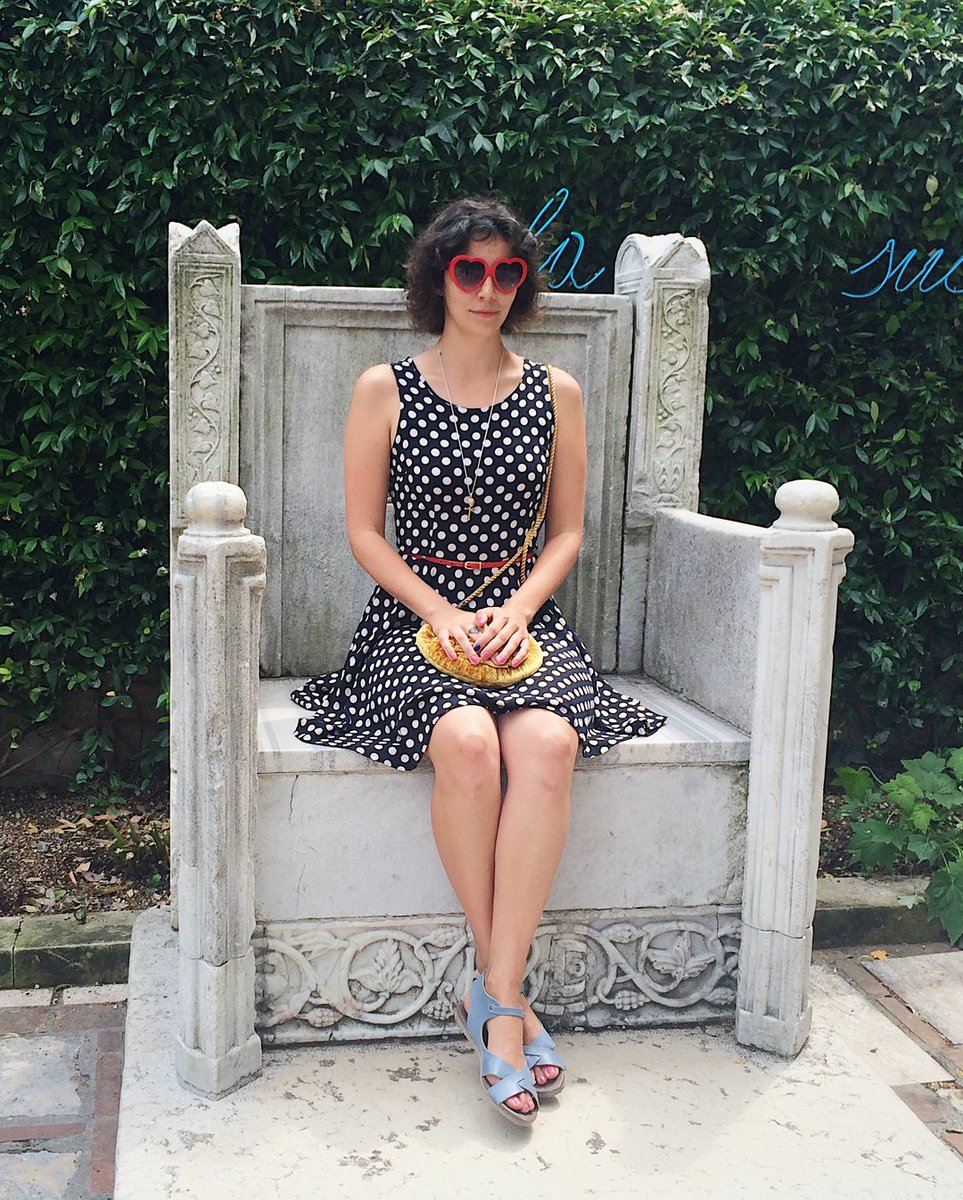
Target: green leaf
x=923 y=816
x=945 y=899
x=936 y=785
x=874 y=843
x=955 y=762
x=923 y=848
x=858 y=784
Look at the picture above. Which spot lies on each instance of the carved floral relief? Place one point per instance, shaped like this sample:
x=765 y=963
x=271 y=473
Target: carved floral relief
x=205 y=385
x=350 y=980
x=672 y=416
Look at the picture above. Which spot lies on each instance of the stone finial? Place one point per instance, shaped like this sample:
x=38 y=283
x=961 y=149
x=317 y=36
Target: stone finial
x=216 y=508
x=806 y=504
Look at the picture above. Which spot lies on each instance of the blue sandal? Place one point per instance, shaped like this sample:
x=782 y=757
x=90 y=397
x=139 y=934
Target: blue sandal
x=512 y=1080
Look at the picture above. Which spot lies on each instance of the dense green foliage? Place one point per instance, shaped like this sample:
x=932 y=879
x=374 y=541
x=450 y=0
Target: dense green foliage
x=793 y=137
x=915 y=818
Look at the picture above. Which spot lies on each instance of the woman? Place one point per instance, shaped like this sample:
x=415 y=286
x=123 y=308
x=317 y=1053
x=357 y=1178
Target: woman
x=459 y=438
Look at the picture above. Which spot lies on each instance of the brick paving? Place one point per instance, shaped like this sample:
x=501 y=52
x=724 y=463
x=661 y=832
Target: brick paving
x=61 y=1063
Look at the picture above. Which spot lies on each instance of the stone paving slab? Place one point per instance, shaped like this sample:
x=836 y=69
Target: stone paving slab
x=872 y=1037
x=39 y=1077
x=931 y=984
x=44 y=1175
x=665 y=1114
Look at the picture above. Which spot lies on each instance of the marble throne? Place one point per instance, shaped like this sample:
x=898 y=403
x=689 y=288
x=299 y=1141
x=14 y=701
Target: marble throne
x=688 y=887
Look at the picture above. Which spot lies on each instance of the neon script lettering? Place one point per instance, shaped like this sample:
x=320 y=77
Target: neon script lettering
x=893 y=270
x=551 y=263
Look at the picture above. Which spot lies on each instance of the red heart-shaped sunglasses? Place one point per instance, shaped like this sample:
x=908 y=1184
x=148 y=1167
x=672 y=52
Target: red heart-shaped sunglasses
x=470 y=273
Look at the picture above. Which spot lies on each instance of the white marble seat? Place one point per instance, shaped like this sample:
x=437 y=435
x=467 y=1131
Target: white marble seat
x=691 y=736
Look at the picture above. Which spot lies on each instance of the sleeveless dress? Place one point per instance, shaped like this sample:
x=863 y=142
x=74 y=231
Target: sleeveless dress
x=384 y=701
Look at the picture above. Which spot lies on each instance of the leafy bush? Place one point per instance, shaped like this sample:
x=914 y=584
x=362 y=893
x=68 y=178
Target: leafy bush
x=794 y=137
x=917 y=817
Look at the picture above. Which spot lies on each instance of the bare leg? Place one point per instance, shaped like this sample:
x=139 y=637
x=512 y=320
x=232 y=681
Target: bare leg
x=465 y=807
x=538 y=748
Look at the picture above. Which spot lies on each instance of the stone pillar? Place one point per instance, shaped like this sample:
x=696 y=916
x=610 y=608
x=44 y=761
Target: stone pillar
x=217 y=588
x=204 y=305
x=802 y=563
x=668 y=279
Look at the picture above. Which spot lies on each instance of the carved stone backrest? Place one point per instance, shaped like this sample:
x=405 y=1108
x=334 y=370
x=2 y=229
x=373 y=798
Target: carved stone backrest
x=261 y=379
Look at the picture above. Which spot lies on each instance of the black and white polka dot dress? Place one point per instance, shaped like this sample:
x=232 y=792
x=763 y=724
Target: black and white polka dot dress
x=384 y=701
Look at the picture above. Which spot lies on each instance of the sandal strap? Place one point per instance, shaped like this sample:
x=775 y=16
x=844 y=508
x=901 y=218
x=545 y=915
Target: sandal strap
x=542 y=1052
x=544 y=1058
x=512 y=1084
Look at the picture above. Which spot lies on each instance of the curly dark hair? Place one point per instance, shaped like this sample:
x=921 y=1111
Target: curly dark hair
x=448 y=234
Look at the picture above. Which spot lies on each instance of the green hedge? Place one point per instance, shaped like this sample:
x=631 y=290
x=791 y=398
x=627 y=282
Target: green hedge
x=794 y=138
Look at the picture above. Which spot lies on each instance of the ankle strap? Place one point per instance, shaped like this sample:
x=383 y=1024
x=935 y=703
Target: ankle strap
x=499 y=1010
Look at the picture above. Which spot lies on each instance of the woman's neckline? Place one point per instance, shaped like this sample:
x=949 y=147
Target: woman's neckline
x=473 y=407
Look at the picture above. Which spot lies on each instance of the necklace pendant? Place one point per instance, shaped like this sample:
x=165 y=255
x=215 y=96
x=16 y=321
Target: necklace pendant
x=469 y=505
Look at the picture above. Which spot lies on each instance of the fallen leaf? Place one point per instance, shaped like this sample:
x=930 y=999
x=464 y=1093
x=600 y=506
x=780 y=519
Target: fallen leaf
x=879 y=954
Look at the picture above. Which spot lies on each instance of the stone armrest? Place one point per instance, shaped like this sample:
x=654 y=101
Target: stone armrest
x=702 y=612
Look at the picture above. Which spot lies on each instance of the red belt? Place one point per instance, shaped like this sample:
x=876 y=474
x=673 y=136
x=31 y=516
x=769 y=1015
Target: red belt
x=471 y=564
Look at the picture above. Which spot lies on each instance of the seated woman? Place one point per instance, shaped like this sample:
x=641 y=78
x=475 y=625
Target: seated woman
x=472 y=444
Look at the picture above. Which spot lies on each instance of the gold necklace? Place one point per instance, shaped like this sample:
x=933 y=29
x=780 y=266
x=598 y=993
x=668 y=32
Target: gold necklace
x=470 y=490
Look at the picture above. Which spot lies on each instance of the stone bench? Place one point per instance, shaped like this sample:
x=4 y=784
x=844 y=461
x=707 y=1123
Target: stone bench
x=307 y=893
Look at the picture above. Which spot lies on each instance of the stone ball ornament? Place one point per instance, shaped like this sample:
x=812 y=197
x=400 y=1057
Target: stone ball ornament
x=806 y=504
x=215 y=508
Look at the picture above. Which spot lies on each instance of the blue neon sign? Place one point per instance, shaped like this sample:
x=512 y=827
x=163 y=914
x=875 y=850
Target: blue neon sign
x=888 y=254
x=553 y=260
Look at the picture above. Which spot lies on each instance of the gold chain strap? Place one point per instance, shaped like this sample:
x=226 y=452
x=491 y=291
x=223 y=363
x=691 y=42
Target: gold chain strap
x=533 y=532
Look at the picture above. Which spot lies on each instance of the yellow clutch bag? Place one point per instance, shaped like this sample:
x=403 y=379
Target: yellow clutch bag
x=488 y=673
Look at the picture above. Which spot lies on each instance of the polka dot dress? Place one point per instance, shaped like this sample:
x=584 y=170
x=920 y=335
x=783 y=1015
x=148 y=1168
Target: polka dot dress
x=385 y=700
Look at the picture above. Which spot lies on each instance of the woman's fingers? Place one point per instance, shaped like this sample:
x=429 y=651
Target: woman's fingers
x=501 y=638
x=458 y=634
x=521 y=653
x=506 y=642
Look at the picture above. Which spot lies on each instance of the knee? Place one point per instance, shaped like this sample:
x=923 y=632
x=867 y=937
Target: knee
x=467 y=748
x=554 y=746
x=547 y=751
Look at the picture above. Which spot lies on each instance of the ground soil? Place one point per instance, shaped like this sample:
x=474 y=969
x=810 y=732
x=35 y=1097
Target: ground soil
x=70 y=852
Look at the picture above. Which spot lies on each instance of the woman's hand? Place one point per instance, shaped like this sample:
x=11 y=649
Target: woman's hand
x=503 y=635
x=452 y=624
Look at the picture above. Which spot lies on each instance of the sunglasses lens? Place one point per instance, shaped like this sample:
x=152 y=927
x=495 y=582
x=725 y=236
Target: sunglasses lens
x=509 y=275
x=469 y=273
